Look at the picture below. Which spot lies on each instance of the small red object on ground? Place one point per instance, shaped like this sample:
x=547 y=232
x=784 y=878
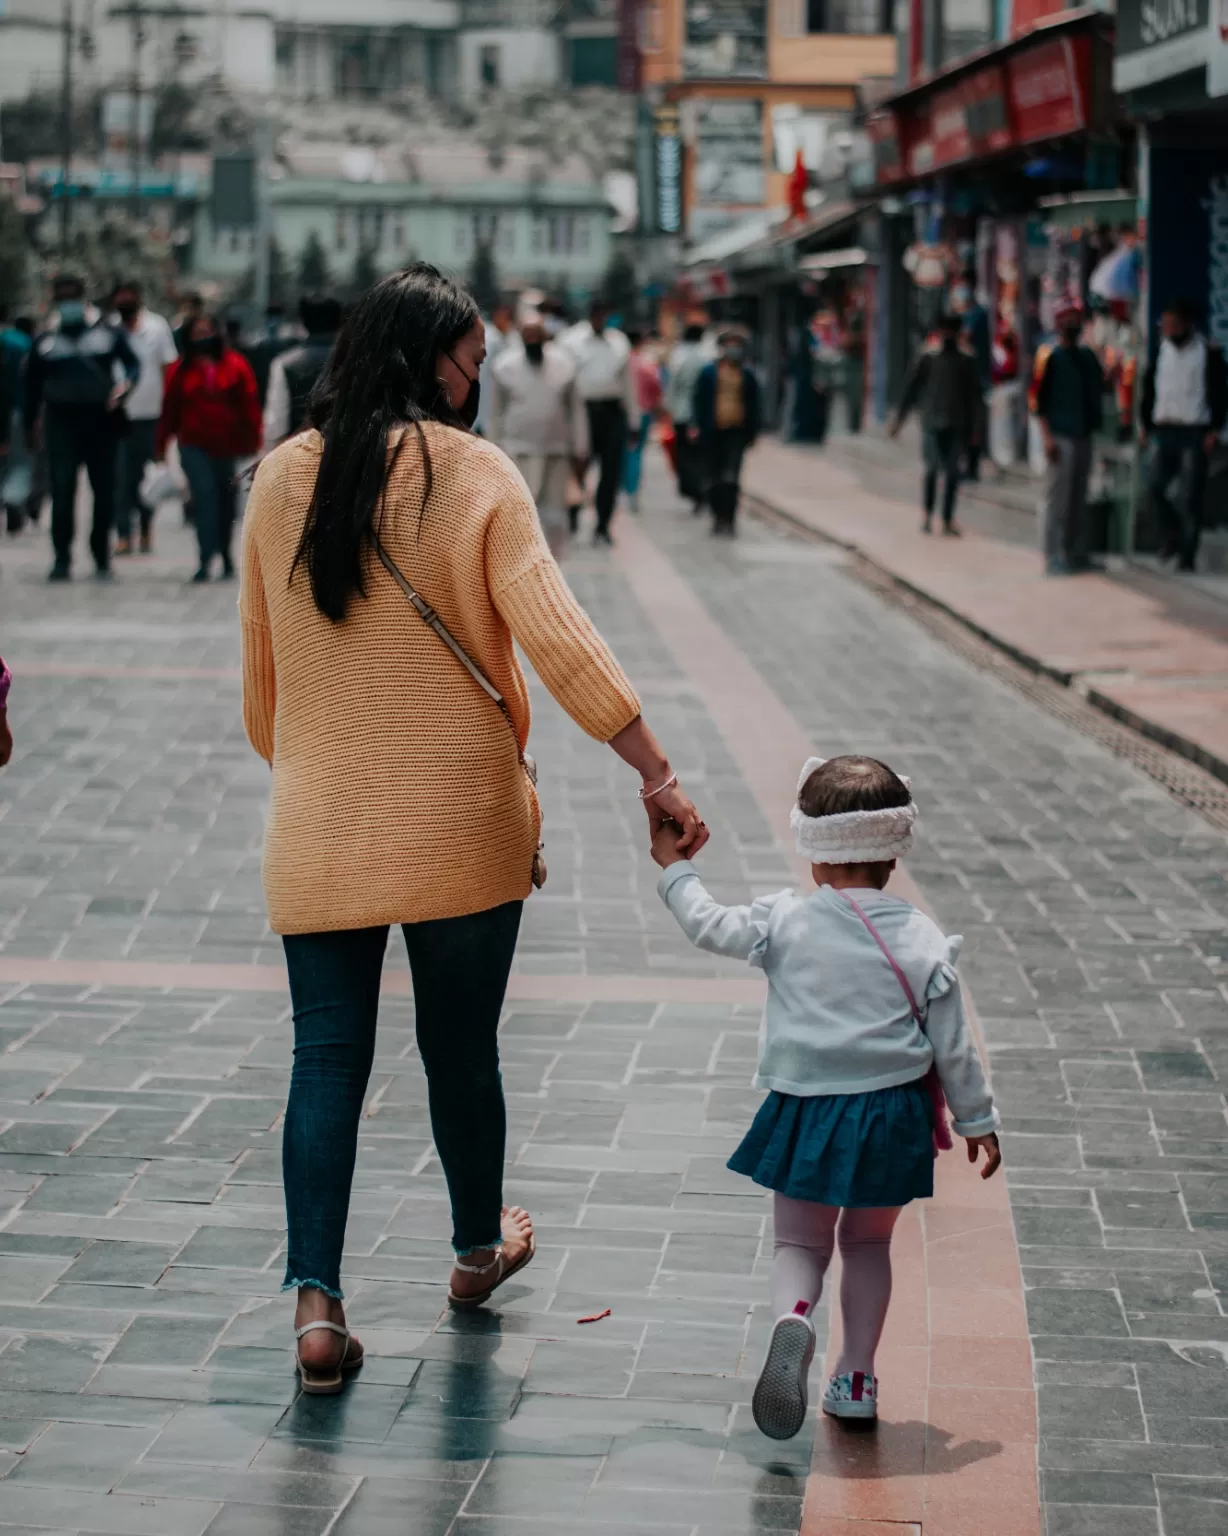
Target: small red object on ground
x=596 y=1317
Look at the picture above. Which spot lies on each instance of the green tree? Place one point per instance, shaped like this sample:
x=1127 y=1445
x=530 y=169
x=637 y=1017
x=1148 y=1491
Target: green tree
x=619 y=287
x=313 y=273
x=483 y=279
x=14 y=254
x=366 y=273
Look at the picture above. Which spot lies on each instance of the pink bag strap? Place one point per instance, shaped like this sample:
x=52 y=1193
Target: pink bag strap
x=890 y=958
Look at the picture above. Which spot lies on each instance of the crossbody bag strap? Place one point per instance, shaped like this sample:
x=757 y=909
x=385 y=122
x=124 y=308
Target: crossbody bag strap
x=432 y=620
x=890 y=958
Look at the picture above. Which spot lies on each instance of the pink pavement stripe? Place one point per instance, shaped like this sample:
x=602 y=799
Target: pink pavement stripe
x=732 y=990
x=905 y=1476
x=86 y=669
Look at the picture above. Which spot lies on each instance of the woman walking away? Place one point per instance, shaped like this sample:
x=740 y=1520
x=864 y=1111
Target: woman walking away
x=212 y=406
x=863 y=1033
x=396 y=734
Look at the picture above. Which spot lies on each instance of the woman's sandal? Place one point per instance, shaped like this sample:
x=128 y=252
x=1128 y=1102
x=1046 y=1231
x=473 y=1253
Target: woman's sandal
x=501 y=1274
x=317 y=1383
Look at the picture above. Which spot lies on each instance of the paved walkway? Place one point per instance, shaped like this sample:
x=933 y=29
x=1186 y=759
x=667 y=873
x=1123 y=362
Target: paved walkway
x=145 y=1361
x=1152 y=649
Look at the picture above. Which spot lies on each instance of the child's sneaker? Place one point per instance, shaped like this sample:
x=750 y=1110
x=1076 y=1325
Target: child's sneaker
x=780 y=1401
x=851 y=1395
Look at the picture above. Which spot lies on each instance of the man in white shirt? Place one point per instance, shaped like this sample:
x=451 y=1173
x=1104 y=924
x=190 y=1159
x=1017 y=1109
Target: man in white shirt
x=500 y=334
x=538 y=420
x=1185 y=404
x=149 y=336
x=604 y=383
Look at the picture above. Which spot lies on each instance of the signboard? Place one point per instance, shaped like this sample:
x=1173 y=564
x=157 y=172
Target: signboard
x=950 y=141
x=985 y=98
x=669 y=171
x=1046 y=92
x=725 y=39
x=1157 y=39
x=1188 y=234
x=729 y=153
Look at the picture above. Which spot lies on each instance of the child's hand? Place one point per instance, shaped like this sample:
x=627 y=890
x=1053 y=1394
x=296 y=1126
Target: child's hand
x=993 y=1153
x=665 y=840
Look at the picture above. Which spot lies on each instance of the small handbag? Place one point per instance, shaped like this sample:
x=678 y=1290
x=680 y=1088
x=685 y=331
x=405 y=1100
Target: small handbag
x=432 y=621
x=933 y=1083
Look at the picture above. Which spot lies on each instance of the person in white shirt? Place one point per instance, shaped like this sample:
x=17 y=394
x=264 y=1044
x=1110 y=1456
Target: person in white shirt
x=537 y=418
x=1184 y=407
x=601 y=354
x=150 y=337
x=686 y=363
x=500 y=334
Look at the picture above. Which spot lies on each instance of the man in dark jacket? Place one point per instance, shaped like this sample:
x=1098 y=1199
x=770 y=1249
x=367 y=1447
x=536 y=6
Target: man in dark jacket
x=77 y=375
x=293 y=375
x=945 y=386
x=728 y=417
x=1070 y=408
x=1184 y=407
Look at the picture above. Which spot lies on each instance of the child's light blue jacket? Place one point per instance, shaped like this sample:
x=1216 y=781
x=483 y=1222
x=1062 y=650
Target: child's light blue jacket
x=837 y=1019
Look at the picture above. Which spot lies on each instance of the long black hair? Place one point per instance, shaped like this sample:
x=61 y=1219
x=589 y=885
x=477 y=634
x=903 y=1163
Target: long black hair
x=381 y=375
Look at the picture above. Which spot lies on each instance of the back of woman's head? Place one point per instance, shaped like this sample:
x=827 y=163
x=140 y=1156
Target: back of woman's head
x=381 y=375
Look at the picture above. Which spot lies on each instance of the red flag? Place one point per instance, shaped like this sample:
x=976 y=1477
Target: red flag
x=799 y=182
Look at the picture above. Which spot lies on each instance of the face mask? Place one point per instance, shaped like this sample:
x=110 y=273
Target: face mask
x=129 y=309
x=210 y=347
x=534 y=351
x=72 y=313
x=732 y=354
x=468 y=409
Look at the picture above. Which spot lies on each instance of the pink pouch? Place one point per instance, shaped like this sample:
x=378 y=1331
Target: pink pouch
x=933 y=1083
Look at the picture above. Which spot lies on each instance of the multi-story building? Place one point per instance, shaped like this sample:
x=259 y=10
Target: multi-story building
x=754 y=80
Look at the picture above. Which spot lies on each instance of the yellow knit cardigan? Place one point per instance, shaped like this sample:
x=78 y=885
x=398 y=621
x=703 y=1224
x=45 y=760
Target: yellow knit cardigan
x=397 y=792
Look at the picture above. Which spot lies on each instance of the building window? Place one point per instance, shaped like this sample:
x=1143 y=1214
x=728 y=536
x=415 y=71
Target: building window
x=488 y=65
x=860 y=16
x=581 y=235
x=286 y=59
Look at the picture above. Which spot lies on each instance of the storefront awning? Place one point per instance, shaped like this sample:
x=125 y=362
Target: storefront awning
x=1049 y=84
x=834 y=261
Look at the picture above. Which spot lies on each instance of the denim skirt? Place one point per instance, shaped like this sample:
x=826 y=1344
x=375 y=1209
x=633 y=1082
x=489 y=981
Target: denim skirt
x=847 y=1149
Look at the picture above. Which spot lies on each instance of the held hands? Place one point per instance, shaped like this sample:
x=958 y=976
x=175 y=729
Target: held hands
x=993 y=1153
x=674 y=806
x=665 y=839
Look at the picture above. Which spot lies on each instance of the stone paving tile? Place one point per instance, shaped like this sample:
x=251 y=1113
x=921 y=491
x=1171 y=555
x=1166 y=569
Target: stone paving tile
x=141 y=1229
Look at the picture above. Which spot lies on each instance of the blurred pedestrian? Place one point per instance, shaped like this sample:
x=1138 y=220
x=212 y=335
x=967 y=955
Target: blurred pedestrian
x=15 y=475
x=295 y=373
x=72 y=401
x=149 y=336
x=501 y=333
x=728 y=416
x=974 y=319
x=538 y=420
x=945 y=388
x=6 y=736
x=803 y=421
x=686 y=362
x=400 y=789
x=645 y=374
x=853 y=373
x=1069 y=407
x=191 y=307
x=601 y=354
x=213 y=410
x=1184 y=406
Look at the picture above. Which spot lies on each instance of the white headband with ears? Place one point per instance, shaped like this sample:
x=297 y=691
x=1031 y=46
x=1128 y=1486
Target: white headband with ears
x=853 y=837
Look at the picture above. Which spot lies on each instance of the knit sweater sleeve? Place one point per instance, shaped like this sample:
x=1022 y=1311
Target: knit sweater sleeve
x=554 y=632
x=259 y=676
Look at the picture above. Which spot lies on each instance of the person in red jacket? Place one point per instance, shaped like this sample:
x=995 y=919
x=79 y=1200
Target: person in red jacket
x=212 y=406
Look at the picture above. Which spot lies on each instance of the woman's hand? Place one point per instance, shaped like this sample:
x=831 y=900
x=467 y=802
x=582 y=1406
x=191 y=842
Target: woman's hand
x=674 y=805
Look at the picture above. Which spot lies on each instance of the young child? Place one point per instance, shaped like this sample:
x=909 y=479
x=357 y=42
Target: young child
x=862 y=1000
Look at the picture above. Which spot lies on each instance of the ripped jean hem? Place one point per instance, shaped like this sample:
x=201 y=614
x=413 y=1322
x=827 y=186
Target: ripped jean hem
x=463 y=1253
x=315 y=1285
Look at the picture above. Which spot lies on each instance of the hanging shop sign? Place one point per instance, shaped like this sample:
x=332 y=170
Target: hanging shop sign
x=725 y=39
x=729 y=170
x=1047 y=96
x=669 y=171
x=1157 y=39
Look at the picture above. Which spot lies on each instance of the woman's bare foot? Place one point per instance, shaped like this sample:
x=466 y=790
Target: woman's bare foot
x=321 y=1350
x=517 y=1227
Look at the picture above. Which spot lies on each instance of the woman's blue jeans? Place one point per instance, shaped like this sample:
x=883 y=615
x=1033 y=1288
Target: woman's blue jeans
x=460 y=967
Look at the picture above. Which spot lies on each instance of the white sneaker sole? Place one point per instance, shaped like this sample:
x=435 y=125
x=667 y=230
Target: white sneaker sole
x=850 y=1410
x=780 y=1401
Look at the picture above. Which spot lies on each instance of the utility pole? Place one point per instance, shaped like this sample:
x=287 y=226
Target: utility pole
x=66 y=133
x=135 y=15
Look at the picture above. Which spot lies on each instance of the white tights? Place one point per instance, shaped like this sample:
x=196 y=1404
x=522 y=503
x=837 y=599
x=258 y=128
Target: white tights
x=806 y=1235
